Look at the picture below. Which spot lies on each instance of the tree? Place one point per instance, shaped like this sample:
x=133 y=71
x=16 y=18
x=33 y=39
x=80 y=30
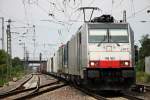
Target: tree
x=136 y=53
x=3 y=57
x=16 y=62
x=144 y=50
x=145 y=46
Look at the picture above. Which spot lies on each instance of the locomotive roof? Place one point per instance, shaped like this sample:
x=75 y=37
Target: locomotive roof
x=107 y=25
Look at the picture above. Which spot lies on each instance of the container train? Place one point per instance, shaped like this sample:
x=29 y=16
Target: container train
x=100 y=56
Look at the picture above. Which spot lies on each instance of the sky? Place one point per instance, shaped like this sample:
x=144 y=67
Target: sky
x=57 y=20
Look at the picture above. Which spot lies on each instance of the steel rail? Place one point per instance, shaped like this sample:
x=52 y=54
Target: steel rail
x=7 y=93
x=90 y=93
x=41 y=89
x=32 y=91
x=131 y=97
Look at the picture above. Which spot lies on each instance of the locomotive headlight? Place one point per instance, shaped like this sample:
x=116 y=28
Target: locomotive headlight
x=126 y=63
x=92 y=63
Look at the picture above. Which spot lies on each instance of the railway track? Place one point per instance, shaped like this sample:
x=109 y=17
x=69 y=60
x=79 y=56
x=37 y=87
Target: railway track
x=23 y=91
x=147 y=88
x=98 y=96
x=33 y=91
x=16 y=89
x=30 y=92
x=132 y=97
x=103 y=96
x=90 y=93
x=142 y=88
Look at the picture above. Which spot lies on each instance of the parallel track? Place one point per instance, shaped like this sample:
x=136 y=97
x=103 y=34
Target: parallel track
x=27 y=94
x=15 y=90
x=147 y=88
x=32 y=92
x=142 y=87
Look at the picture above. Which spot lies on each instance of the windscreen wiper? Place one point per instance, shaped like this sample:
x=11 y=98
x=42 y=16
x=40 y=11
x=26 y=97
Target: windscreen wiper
x=115 y=43
x=99 y=44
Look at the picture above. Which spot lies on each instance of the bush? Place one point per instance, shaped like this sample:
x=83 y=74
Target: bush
x=142 y=77
x=140 y=65
x=6 y=74
x=146 y=78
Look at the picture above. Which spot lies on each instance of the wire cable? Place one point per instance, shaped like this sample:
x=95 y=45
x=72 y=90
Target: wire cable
x=91 y=3
x=139 y=11
x=132 y=7
x=119 y=4
x=25 y=11
x=10 y=16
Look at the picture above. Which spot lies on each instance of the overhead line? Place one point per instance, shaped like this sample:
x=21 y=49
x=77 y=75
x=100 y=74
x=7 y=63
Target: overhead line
x=25 y=11
x=141 y=10
x=132 y=4
x=91 y=2
x=119 y=4
x=18 y=20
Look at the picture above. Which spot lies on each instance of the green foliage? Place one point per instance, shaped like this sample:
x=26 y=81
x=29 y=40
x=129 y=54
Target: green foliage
x=142 y=77
x=6 y=74
x=143 y=52
x=145 y=46
x=16 y=62
x=140 y=65
x=147 y=78
x=3 y=57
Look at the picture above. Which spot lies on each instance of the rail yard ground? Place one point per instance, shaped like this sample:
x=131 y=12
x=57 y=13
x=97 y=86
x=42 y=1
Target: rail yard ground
x=45 y=87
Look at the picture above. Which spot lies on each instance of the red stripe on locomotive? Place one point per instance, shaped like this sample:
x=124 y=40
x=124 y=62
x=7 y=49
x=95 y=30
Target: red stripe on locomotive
x=109 y=64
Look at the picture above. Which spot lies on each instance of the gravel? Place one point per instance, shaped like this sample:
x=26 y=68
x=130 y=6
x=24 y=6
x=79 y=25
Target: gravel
x=64 y=93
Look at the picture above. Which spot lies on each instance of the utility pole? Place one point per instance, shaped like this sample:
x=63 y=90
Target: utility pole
x=40 y=62
x=3 y=47
x=9 y=53
x=34 y=41
x=24 y=54
x=27 y=59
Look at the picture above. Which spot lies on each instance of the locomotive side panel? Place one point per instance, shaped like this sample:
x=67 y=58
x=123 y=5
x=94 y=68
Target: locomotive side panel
x=48 y=65
x=73 y=56
x=60 y=59
x=65 y=59
x=84 y=50
x=70 y=57
x=55 y=62
x=132 y=45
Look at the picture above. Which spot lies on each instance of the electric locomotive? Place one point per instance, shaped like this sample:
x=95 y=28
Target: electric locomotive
x=100 y=55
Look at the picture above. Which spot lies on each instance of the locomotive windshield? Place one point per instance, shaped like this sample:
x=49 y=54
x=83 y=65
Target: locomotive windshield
x=115 y=36
x=118 y=35
x=98 y=35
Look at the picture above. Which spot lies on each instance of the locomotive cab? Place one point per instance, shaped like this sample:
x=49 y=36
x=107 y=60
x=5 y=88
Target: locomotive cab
x=110 y=55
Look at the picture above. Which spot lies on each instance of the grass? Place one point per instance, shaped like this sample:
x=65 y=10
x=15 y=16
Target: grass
x=16 y=71
x=142 y=77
